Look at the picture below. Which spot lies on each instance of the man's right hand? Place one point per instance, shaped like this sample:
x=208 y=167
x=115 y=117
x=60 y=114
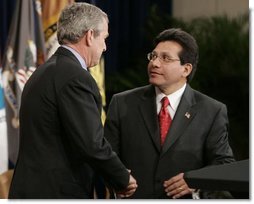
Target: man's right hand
x=131 y=188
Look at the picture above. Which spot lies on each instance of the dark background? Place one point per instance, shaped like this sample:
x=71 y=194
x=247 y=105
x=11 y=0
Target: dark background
x=223 y=69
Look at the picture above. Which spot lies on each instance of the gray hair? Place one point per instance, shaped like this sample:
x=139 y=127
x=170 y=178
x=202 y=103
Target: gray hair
x=76 y=19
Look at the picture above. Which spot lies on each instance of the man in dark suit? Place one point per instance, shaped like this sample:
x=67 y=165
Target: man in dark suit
x=157 y=142
x=61 y=134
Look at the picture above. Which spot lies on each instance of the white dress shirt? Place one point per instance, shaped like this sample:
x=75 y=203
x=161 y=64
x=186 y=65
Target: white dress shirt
x=174 y=100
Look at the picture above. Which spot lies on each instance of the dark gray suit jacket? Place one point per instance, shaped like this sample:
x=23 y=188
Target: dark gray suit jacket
x=61 y=134
x=198 y=137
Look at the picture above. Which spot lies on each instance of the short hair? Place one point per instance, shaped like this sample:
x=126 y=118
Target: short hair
x=76 y=19
x=189 y=53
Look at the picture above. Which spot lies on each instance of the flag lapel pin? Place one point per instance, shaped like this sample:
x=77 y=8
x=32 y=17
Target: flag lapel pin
x=187 y=115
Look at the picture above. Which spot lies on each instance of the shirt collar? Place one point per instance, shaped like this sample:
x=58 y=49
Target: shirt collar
x=77 y=55
x=174 y=98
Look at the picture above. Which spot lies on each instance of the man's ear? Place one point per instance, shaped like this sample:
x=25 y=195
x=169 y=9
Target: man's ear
x=187 y=69
x=89 y=37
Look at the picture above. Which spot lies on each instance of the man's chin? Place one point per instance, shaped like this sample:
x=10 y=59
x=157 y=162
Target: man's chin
x=153 y=82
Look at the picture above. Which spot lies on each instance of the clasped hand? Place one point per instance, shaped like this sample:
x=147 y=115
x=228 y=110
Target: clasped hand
x=131 y=188
x=175 y=187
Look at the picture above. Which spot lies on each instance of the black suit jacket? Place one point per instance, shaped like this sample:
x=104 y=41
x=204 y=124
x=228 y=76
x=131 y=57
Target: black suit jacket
x=61 y=134
x=198 y=137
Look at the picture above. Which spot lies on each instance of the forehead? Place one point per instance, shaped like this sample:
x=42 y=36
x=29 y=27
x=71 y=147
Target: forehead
x=168 y=46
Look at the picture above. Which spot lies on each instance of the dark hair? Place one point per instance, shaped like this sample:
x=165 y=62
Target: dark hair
x=189 y=54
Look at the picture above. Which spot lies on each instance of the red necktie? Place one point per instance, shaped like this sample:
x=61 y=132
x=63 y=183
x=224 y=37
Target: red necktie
x=164 y=119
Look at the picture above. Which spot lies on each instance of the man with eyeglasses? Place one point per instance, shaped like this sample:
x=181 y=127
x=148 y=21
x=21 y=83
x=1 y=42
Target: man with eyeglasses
x=160 y=141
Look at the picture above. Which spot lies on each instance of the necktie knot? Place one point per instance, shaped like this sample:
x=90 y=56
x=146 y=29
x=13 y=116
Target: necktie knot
x=165 y=102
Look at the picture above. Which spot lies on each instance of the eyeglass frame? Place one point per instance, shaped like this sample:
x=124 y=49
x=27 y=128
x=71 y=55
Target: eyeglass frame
x=165 y=60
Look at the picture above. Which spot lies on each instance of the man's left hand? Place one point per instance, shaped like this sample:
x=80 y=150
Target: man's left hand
x=176 y=187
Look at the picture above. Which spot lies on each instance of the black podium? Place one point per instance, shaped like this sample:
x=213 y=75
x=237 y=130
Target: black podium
x=229 y=177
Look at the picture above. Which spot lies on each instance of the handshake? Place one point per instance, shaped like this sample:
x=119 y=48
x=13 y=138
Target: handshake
x=130 y=189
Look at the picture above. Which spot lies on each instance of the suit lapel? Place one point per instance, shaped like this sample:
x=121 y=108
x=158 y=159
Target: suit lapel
x=148 y=111
x=184 y=115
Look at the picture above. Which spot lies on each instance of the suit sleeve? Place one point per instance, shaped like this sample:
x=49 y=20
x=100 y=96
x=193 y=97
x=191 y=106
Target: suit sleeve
x=218 y=150
x=82 y=125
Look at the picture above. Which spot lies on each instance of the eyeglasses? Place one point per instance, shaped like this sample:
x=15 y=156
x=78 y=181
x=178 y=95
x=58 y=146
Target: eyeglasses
x=163 y=57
